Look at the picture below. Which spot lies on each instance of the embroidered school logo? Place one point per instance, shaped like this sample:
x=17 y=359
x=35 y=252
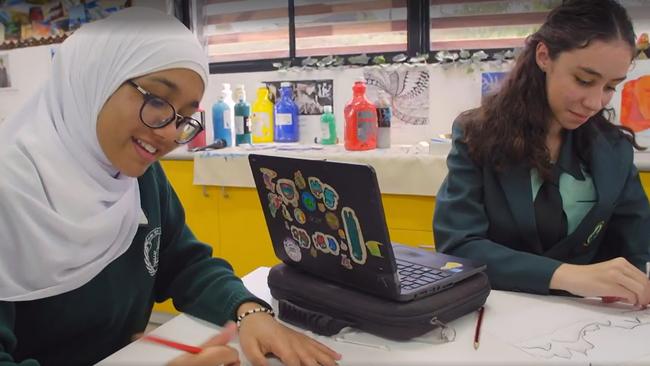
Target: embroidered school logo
x=151 y=250
x=594 y=234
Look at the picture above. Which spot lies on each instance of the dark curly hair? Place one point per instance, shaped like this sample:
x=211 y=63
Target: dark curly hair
x=510 y=126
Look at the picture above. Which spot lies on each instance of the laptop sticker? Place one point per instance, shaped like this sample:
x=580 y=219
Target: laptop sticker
x=286 y=226
x=313 y=252
x=344 y=246
x=287 y=190
x=316 y=187
x=286 y=214
x=332 y=221
x=300 y=215
x=292 y=249
x=330 y=197
x=321 y=207
x=268 y=176
x=374 y=248
x=309 y=201
x=301 y=236
x=300 y=180
x=320 y=242
x=332 y=244
x=345 y=261
x=275 y=202
x=341 y=233
x=355 y=236
x=453 y=267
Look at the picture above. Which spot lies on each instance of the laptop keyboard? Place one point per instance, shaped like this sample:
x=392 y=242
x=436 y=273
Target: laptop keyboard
x=412 y=276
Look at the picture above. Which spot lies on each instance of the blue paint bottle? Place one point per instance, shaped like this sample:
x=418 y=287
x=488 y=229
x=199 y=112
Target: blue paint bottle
x=286 y=116
x=222 y=116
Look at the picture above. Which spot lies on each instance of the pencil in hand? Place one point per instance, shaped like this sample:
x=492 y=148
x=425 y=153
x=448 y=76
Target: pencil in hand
x=172 y=344
x=477 y=332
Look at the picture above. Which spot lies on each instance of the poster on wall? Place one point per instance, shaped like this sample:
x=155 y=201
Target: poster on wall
x=30 y=22
x=632 y=101
x=407 y=88
x=311 y=96
x=490 y=82
x=5 y=80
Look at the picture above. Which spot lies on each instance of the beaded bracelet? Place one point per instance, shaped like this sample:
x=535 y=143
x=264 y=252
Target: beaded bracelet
x=253 y=311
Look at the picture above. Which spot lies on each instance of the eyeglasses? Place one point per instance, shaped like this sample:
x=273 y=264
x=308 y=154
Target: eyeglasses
x=158 y=113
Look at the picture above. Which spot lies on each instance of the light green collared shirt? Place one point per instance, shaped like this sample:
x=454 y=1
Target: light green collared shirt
x=576 y=185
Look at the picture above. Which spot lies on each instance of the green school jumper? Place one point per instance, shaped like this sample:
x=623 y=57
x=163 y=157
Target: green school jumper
x=84 y=326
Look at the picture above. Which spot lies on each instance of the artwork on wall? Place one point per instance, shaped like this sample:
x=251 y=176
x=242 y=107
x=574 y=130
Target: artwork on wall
x=635 y=103
x=407 y=88
x=32 y=23
x=490 y=82
x=310 y=95
x=5 y=80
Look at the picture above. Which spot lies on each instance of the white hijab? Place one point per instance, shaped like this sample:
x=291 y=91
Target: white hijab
x=64 y=215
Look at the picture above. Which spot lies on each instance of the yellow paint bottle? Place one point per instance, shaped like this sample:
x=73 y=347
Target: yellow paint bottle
x=262 y=116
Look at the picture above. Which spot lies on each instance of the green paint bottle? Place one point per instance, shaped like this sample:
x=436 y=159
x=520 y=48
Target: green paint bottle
x=328 y=126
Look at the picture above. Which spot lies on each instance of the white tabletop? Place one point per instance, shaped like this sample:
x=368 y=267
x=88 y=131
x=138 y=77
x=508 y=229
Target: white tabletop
x=518 y=329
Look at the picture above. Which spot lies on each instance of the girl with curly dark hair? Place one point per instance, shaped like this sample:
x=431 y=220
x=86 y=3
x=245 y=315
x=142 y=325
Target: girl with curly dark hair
x=541 y=185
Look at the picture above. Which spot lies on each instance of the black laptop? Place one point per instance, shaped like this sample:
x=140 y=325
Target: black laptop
x=327 y=218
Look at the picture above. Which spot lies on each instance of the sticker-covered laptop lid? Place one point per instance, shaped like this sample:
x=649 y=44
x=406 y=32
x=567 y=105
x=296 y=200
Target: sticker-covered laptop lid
x=327 y=218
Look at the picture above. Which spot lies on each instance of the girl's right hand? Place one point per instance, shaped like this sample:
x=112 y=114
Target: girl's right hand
x=615 y=278
x=215 y=351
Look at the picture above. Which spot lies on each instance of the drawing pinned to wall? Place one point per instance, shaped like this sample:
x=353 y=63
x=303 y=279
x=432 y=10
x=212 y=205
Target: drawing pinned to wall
x=490 y=82
x=635 y=103
x=311 y=96
x=5 y=80
x=407 y=89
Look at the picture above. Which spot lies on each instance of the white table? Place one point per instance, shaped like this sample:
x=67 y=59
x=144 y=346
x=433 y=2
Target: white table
x=508 y=317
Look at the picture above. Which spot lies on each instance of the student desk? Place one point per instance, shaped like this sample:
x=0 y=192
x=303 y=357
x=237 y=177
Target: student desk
x=611 y=343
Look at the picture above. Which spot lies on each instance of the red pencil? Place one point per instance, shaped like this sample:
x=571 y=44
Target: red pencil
x=477 y=332
x=177 y=345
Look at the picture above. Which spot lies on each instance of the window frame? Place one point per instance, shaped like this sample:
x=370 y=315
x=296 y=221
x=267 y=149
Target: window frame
x=418 y=41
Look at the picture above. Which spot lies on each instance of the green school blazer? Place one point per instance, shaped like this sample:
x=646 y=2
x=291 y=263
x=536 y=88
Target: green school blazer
x=487 y=215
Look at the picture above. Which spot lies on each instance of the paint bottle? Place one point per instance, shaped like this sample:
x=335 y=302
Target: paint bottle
x=383 y=121
x=360 y=120
x=223 y=116
x=328 y=126
x=242 y=117
x=262 y=117
x=286 y=116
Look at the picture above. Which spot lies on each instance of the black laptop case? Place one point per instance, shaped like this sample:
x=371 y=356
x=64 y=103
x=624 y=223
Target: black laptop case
x=325 y=307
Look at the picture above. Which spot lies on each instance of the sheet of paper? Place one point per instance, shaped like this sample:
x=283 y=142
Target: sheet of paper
x=556 y=328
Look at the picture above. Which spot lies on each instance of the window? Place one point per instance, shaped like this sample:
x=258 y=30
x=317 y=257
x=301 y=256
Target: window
x=239 y=30
x=485 y=24
x=345 y=27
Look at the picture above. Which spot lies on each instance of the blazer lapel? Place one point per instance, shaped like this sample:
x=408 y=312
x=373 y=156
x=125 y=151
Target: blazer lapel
x=606 y=169
x=606 y=173
x=515 y=182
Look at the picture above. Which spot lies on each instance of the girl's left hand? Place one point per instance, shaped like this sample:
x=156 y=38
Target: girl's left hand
x=260 y=334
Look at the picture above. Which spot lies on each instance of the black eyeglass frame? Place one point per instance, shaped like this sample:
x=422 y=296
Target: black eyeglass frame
x=147 y=96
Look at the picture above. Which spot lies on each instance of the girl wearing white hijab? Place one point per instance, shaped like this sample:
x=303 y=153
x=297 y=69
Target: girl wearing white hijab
x=91 y=232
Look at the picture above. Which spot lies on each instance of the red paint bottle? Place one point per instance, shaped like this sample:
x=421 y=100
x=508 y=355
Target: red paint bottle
x=360 y=120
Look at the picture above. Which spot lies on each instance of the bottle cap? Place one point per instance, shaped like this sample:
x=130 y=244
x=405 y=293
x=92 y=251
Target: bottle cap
x=327 y=109
x=285 y=84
